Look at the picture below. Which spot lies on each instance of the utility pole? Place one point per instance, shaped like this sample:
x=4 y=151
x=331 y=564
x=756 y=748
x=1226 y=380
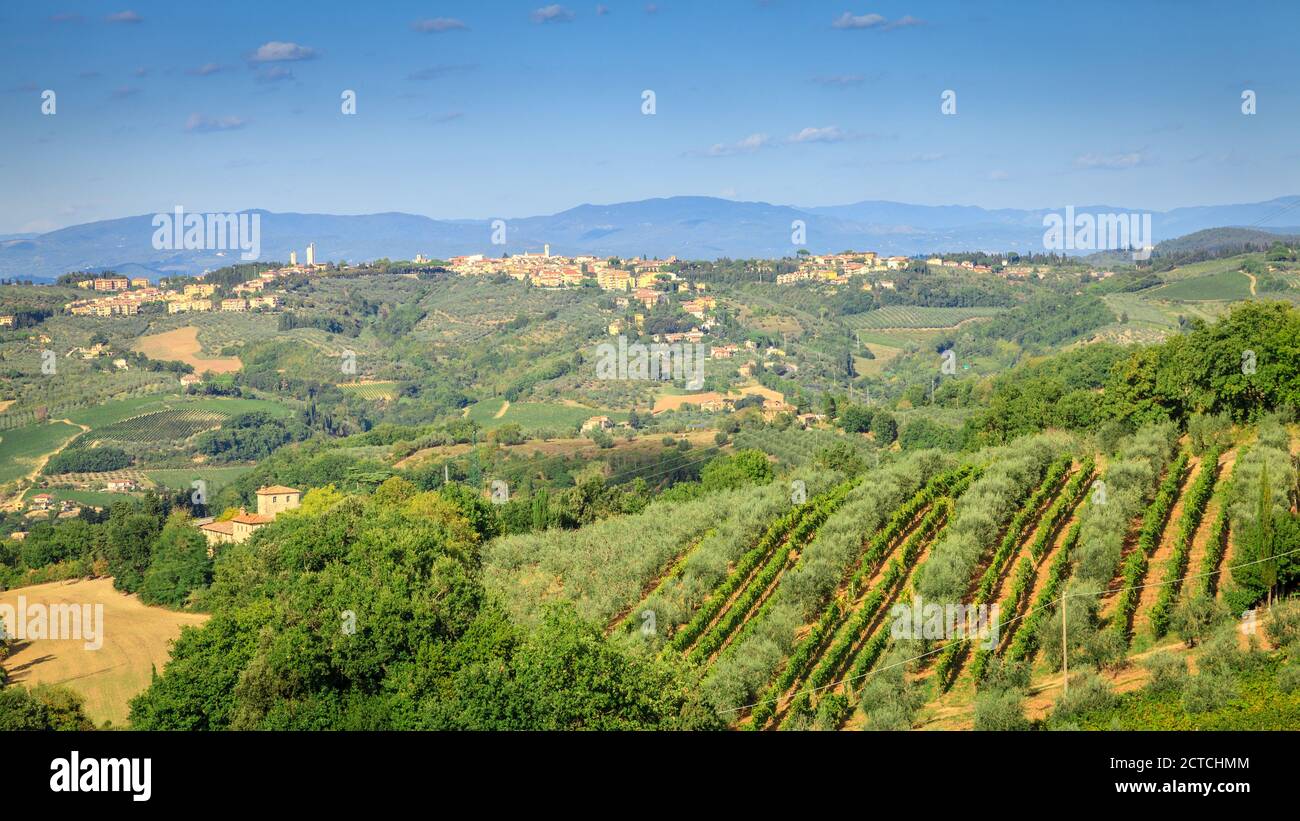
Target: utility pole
x=1065 y=652
x=446 y=474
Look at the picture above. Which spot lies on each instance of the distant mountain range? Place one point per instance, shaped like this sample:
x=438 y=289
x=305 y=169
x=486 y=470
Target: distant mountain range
x=689 y=227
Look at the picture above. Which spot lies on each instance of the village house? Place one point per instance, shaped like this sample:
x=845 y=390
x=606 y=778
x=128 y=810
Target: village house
x=200 y=289
x=614 y=279
x=7 y=321
x=120 y=485
x=649 y=298
x=112 y=284
x=234 y=305
x=597 y=423
x=184 y=306
x=271 y=502
x=42 y=501
x=139 y=282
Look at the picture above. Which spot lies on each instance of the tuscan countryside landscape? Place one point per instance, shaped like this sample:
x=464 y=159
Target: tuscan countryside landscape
x=364 y=452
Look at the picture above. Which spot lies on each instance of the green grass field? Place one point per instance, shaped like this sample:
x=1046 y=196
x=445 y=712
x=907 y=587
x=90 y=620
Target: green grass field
x=91 y=498
x=1223 y=285
x=20 y=449
x=181 y=478
x=912 y=316
x=535 y=415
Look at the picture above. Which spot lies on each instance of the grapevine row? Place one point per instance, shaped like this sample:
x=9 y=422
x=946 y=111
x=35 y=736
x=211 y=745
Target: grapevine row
x=772 y=538
x=1153 y=524
x=1198 y=496
x=1214 y=551
x=807 y=524
x=1011 y=538
x=1026 y=569
x=833 y=617
x=857 y=625
x=1023 y=643
x=897 y=570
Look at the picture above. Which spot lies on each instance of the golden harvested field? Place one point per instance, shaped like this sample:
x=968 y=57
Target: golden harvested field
x=136 y=638
x=183 y=345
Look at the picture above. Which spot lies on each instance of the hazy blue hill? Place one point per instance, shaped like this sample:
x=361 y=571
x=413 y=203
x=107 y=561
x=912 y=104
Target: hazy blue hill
x=1214 y=239
x=699 y=227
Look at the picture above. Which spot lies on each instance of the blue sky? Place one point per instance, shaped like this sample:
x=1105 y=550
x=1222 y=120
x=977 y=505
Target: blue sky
x=500 y=108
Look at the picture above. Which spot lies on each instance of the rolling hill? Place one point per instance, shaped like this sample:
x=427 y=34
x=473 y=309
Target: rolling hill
x=690 y=227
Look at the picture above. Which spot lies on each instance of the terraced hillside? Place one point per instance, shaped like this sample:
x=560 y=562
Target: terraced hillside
x=802 y=613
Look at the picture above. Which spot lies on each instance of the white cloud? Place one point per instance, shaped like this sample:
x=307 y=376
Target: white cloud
x=848 y=20
x=124 y=17
x=1131 y=159
x=749 y=145
x=278 y=52
x=205 y=69
x=199 y=124
x=438 y=25
x=554 y=13
x=829 y=134
x=859 y=21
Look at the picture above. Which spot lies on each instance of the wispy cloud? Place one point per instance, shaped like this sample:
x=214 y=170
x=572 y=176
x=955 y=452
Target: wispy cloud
x=142 y=71
x=206 y=69
x=280 y=52
x=749 y=145
x=67 y=17
x=840 y=80
x=848 y=20
x=439 y=119
x=755 y=142
x=435 y=72
x=200 y=124
x=89 y=75
x=1113 y=162
x=438 y=25
x=124 y=17
x=554 y=13
x=122 y=92
x=274 y=74
x=828 y=134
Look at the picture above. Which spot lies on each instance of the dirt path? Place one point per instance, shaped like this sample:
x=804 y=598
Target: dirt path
x=17 y=502
x=1157 y=565
x=1253 y=282
x=505 y=407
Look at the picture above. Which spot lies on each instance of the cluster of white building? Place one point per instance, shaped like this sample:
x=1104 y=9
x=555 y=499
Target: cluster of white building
x=546 y=271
